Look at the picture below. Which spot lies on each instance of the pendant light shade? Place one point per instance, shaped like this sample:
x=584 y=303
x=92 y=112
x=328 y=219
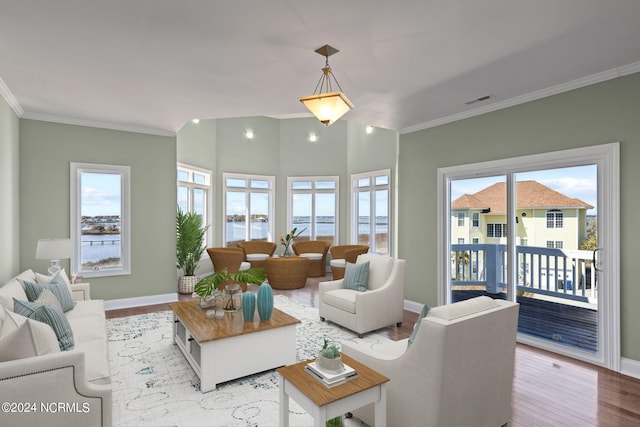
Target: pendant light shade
x=327 y=106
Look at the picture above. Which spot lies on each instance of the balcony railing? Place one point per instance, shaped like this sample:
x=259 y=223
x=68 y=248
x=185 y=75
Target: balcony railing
x=567 y=274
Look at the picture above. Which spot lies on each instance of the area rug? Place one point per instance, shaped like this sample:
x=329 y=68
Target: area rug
x=153 y=384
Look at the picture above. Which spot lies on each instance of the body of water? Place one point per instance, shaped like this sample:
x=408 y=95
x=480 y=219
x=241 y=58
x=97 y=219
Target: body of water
x=260 y=230
x=98 y=247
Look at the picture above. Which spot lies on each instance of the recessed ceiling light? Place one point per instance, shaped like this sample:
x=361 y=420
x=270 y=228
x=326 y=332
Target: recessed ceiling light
x=368 y=129
x=196 y=121
x=313 y=137
x=249 y=134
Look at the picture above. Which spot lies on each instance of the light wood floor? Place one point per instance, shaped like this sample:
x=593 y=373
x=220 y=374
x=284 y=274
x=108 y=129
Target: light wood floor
x=548 y=390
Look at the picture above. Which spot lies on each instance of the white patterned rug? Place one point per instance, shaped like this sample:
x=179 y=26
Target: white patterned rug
x=153 y=384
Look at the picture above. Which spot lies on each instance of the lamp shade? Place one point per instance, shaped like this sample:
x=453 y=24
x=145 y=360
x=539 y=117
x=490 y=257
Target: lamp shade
x=53 y=249
x=327 y=107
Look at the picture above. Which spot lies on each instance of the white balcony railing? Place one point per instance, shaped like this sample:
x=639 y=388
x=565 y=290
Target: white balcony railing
x=543 y=271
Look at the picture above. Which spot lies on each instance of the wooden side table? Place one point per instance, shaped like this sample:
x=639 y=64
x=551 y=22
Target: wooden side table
x=324 y=403
x=287 y=272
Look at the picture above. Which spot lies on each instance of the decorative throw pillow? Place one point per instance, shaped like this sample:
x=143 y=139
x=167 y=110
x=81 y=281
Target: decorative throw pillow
x=12 y=289
x=356 y=276
x=45 y=278
x=422 y=315
x=27 y=339
x=50 y=315
x=57 y=286
x=47 y=297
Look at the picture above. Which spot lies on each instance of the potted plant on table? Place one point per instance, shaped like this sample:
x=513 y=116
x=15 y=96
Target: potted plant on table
x=288 y=239
x=190 y=243
x=209 y=284
x=329 y=358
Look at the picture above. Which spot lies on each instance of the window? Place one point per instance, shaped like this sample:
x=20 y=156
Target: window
x=558 y=244
x=194 y=187
x=371 y=199
x=524 y=241
x=313 y=205
x=460 y=219
x=100 y=229
x=555 y=218
x=475 y=219
x=461 y=240
x=475 y=241
x=496 y=230
x=247 y=197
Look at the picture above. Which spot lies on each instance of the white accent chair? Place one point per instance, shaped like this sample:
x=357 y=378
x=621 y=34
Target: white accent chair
x=379 y=306
x=457 y=372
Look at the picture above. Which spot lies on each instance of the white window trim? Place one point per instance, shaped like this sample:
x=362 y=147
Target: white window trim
x=271 y=191
x=354 y=206
x=208 y=187
x=607 y=157
x=313 y=191
x=125 y=218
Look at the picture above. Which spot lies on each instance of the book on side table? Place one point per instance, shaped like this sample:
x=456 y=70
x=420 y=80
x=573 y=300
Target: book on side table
x=330 y=378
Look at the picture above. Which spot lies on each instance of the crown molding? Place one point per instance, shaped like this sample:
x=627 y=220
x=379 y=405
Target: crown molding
x=532 y=96
x=11 y=100
x=96 y=124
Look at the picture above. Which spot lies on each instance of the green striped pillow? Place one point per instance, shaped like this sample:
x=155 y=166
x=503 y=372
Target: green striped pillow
x=57 y=286
x=50 y=315
x=356 y=276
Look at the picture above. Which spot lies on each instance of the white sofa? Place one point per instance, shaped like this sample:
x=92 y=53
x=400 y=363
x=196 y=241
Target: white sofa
x=56 y=388
x=379 y=306
x=458 y=371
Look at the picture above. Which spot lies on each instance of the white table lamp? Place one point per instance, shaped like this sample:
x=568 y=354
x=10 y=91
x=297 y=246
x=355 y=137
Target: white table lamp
x=54 y=250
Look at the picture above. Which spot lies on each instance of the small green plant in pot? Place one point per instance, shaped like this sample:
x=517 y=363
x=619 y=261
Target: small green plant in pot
x=190 y=243
x=329 y=358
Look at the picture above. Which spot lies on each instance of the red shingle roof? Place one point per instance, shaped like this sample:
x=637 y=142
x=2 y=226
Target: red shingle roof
x=529 y=195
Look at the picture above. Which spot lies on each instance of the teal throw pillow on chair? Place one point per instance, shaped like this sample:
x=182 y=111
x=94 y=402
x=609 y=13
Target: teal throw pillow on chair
x=422 y=315
x=356 y=276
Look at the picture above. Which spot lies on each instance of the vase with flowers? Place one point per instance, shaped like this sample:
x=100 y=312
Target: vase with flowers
x=288 y=239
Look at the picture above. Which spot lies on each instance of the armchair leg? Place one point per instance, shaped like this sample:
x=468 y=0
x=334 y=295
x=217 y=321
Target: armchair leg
x=348 y=415
x=322 y=319
x=399 y=324
x=360 y=335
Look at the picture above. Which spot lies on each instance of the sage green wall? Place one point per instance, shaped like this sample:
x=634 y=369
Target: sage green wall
x=46 y=149
x=598 y=114
x=9 y=192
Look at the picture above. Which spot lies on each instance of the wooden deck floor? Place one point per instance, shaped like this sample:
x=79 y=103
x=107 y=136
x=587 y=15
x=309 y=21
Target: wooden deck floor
x=565 y=324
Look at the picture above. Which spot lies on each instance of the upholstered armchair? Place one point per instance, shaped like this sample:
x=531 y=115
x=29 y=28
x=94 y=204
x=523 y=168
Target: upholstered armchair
x=380 y=305
x=257 y=252
x=458 y=370
x=341 y=255
x=316 y=251
x=230 y=258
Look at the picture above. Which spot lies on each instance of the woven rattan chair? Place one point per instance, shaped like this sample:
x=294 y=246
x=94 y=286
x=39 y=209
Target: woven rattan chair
x=230 y=258
x=287 y=272
x=341 y=255
x=316 y=251
x=257 y=252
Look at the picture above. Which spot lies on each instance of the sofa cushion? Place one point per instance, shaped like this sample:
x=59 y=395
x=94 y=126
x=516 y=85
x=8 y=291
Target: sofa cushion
x=356 y=276
x=379 y=268
x=257 y=257
x=57 y=286
x=12 y=289
x=340 y=263
x=344 y=299
x=50 y=315
x=463 y=308
x=313 y=256
x=87 y=321
x=21 y=338
x=27 y=275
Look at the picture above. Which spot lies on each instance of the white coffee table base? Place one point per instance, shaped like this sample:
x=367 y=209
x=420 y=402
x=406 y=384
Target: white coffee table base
x=321 y=414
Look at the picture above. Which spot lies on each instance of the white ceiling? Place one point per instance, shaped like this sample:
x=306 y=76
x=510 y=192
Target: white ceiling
x=152 y=65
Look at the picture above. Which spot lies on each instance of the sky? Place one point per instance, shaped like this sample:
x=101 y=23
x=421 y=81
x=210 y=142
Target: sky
x=577 y=182
x=100 y=194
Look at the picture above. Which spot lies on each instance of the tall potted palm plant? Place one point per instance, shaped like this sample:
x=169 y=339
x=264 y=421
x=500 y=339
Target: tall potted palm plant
x=190 y=243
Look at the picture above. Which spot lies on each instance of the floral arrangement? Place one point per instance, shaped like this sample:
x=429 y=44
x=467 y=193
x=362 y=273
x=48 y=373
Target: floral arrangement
x=287 y=240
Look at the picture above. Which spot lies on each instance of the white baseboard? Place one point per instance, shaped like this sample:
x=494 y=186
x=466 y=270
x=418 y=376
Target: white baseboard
x=115 y=304
x=416 y=307
x=630 y=367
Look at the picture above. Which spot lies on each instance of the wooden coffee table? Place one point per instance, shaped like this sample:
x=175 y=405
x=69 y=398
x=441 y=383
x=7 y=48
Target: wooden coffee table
x=324 y=403
x=224 y=349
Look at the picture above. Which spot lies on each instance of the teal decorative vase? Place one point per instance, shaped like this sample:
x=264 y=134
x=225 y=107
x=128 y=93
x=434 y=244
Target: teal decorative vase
x=265 y=301
x=248 y=306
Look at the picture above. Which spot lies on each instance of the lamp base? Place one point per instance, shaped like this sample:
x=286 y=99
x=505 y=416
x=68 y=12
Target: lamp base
x=54 y=267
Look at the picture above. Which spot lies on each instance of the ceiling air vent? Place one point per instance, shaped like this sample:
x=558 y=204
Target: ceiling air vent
x=482 y=98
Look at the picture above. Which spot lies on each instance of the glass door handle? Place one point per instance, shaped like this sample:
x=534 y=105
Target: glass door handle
x=595 y=262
